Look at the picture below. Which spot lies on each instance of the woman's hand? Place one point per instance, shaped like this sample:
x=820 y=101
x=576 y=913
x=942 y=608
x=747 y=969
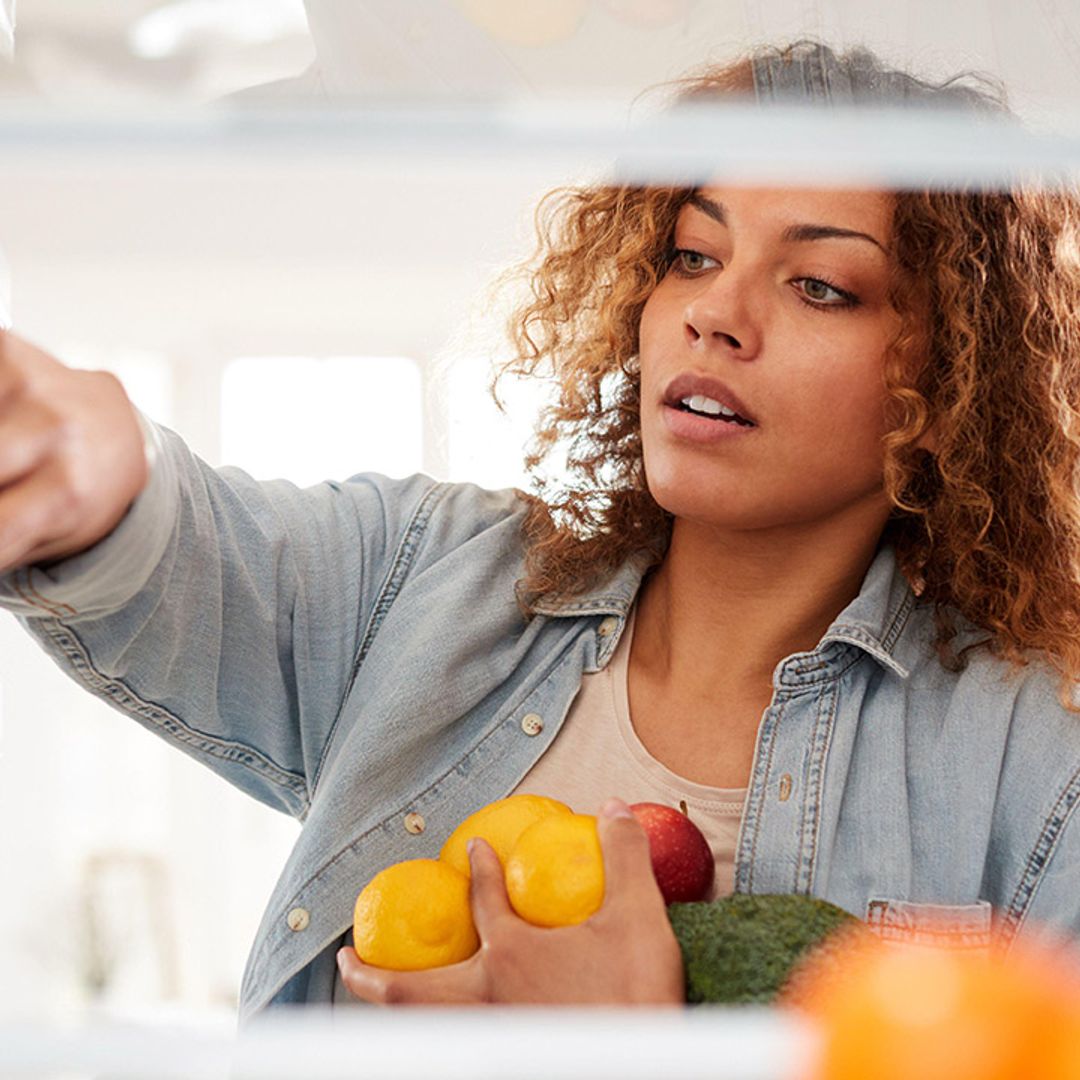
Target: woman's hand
x=624 y=954
x=71 y=455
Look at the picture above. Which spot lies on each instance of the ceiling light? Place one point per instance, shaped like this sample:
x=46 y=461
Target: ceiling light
x=169 y=29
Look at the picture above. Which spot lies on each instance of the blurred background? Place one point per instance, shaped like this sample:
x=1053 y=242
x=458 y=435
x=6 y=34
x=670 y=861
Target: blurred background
x=166 y=213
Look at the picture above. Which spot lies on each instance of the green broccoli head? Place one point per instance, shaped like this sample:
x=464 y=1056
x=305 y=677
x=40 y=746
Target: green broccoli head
x=741 y=949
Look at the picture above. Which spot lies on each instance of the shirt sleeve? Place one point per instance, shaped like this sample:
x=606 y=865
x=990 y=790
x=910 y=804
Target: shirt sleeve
x=225 y=613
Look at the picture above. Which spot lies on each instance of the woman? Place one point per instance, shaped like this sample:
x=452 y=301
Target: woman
x=840 y=623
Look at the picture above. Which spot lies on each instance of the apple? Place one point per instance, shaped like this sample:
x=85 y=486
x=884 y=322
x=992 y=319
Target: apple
x=682 y=861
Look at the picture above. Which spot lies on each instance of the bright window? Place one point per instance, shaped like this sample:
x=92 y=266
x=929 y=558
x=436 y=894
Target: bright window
x=487 y=447
x=308 y=420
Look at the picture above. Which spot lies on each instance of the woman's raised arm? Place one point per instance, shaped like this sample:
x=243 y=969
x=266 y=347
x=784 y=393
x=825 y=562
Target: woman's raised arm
x=223 y=613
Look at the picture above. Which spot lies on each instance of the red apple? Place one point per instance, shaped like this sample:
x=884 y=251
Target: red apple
x=681 y=859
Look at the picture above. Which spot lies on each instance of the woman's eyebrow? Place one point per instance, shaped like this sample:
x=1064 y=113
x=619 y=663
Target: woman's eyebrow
x=793 y=233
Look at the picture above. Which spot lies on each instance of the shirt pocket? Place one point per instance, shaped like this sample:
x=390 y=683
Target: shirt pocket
x=955 y=926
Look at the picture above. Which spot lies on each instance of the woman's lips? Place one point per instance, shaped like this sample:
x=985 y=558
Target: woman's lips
x=690 y=383
x=703 y=429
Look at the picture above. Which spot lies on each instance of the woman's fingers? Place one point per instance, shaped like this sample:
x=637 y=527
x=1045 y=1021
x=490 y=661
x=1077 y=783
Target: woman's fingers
x=12 y=379
x=34 y=515
x=490 y=903
x=28 y=436
x=629 y=882
x=455 y=984
x=71 y=455
x=634 y=910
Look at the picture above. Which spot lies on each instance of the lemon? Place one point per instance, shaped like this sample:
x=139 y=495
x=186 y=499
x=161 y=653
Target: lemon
x=555 y=871
x=500 y=824
x=414 y=915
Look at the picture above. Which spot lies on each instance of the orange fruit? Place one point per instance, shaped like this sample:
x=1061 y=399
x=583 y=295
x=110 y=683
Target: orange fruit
x=555 y=871
x=500 y=823
x=1062 y=1055
x=900 y=1012
x=413 y=915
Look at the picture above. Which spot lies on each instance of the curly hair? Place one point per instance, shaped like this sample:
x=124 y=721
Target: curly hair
x=987 y=525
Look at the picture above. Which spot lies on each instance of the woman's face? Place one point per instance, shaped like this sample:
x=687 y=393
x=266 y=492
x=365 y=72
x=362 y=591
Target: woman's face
x=776 y=306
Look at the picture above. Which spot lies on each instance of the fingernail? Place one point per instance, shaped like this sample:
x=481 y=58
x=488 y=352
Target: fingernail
x=615 y=808
x=340 y=962
x=470 y=849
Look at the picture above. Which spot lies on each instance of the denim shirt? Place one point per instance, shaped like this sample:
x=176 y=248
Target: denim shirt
x=353 y=654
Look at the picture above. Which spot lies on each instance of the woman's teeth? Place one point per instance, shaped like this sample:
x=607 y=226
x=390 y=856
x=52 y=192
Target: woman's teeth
x=706 y=406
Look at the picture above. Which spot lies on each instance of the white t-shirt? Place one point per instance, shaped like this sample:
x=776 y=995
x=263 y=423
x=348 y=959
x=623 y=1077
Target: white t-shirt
x=597 y=754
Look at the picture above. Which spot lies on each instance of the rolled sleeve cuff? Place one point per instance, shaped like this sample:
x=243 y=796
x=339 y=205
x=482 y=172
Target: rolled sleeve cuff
x=104 y=577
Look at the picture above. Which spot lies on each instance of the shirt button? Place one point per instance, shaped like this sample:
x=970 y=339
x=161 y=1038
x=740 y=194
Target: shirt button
x=532 y=724
x=608 y=626
x=785 y=787
x=414 y=823
x=298 y=919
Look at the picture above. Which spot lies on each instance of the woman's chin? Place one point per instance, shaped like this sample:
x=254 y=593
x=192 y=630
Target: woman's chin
x=710 y=508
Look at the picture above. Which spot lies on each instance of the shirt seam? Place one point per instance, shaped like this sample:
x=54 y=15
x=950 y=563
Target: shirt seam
x=54 y=607
x=168 y=722
x=50 y=607
x=815 y=819
x=788 y=690
x=763 y=789
x=1042 y=854
x=388 y=593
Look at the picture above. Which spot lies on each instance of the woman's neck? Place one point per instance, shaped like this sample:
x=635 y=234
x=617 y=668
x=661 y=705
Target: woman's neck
x=724 y=608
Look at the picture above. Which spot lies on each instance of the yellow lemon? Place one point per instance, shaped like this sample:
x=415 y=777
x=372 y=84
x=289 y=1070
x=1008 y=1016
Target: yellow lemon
x=500 y=824
x=555 y=872
x=415 y=915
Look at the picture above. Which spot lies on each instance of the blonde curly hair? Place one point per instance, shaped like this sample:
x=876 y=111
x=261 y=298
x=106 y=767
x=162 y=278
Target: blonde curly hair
x=987 y=526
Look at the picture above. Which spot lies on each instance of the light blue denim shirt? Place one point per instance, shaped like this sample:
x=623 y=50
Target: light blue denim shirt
x=352 y=654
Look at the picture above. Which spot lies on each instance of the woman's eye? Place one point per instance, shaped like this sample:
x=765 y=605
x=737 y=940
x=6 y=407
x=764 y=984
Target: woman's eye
x=685 y=261
x=821 y=294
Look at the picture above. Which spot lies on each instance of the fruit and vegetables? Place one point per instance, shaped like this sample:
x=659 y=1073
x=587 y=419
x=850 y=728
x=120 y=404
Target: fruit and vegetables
x=742 y=949
x=555 y=871
x=883 y=1011
x=500 y=823
x=682 y=860
x=416 y=913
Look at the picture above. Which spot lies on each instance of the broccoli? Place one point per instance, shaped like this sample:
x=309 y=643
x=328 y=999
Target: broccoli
x=741 y=949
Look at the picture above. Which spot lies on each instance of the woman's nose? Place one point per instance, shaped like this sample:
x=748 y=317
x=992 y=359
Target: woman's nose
x=718 y=317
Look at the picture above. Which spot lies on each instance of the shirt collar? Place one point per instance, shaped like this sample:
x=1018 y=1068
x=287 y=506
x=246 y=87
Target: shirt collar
x=876 y=618
x=873 y=621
